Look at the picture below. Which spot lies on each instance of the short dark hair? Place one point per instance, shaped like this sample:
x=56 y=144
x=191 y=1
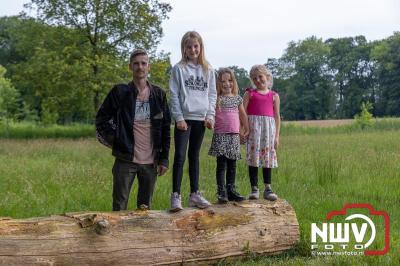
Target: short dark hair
x=137 y=52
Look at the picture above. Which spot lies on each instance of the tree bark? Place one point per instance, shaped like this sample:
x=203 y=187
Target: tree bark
x=150 y=237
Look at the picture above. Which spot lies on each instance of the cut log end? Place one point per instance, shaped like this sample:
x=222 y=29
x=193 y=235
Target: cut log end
x=151 y=237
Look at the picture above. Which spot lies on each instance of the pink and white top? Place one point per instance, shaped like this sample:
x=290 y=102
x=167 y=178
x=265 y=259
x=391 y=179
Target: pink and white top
x=260 y=104
x=227 y=115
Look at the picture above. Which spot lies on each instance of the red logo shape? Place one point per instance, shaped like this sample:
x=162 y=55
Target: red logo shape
x=385 y=215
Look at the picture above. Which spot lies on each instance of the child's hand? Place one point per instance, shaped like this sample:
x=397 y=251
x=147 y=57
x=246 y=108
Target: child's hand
x=208 y=123
x=276 y=143
x=181 y=125
x=243 y=137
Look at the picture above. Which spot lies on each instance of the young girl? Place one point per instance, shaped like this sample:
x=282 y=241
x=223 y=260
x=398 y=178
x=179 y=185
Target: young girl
x=229 y=116
x=193 y=97
x=262 y=107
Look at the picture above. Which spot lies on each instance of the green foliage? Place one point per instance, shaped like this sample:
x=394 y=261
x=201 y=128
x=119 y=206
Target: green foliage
x=308 y=91
x=242 y=78
x=9 y=97
x=364 y=118
x=109 y=26
x=350 y=60
x=387 y=58
x=109 y=32
x=320 y=80
x=65 y=62
x=160 y=67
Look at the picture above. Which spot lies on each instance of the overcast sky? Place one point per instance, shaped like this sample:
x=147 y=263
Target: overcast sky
x=248 y=32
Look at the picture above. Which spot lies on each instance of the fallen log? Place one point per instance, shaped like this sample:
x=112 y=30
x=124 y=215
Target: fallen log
x=150 y=237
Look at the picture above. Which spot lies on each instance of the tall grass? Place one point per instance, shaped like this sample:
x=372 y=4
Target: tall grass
x=317 y=173
x=27 y=130
x=289 y=129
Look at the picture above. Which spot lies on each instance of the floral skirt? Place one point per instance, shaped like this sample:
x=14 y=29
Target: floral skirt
x=260 y=142
x=227 y=145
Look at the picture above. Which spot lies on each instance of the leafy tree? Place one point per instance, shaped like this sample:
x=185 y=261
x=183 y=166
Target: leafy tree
x=284 y=85
x=242 y=78
x=9 y=97
x=44 y=62
x=111 y=28
x=160 y=67
x=364 y=118
x=19 y=36
x=350 y=63
x=387 y=58
x=309 y=78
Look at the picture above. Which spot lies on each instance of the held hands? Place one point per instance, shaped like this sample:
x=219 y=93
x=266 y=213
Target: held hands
x=161 y=169
x=181 y=125
x=243 y=137
x=209 y=123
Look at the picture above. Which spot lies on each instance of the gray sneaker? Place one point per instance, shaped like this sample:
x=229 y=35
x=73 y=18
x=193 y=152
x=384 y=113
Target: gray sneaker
x=197 y=200
x=176 y=202
x=255 y=193
x=270 y=195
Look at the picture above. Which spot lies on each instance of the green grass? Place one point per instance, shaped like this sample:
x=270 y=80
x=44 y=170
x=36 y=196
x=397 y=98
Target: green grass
x=317 y=173
x=26 y=130
x=290 y=129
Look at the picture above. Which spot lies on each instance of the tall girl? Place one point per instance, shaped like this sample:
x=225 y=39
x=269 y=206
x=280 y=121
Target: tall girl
x=193 y=98
x=229 y=117
x=262 y=106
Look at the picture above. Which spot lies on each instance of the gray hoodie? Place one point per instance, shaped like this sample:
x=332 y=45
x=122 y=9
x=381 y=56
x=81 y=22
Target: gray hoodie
x=193 y=94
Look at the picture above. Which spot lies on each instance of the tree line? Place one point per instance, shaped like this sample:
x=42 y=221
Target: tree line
x=58 y=66
x=331 y=79
x=63 y=62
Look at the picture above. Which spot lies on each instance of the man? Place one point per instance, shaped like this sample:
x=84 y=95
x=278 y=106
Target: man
x=134 y=120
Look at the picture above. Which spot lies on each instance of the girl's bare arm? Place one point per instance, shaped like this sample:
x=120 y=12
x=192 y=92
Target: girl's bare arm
x=277 y=116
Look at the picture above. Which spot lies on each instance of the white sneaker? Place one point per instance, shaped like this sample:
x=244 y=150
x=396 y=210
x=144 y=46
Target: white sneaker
x=197 y=200
x=176 y=202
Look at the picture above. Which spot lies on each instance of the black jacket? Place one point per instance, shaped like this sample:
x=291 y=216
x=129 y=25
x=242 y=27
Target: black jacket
x=115 y=118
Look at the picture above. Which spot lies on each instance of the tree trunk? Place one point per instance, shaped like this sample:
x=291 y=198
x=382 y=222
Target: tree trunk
x=150 y=237
x=96 y=97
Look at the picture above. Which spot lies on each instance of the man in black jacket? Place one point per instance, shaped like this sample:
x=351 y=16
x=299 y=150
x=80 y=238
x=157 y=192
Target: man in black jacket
x=134 y=120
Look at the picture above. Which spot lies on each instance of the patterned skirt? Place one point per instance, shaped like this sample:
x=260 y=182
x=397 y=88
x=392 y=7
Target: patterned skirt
x=227 y=145
x=260 y=143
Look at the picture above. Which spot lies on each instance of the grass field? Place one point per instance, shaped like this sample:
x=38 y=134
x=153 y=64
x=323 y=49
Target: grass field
x=317 y=173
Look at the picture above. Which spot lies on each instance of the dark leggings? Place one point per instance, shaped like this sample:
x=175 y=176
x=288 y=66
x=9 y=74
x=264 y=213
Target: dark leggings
x=253 y=173
x=228 y=165
x=194 y=137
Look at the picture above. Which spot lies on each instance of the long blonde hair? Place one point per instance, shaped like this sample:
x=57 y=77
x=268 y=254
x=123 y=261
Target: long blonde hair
x=190 y=35
x=235 y=89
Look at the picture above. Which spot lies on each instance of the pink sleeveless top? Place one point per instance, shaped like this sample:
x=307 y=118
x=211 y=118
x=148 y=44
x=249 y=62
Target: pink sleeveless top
x=227 y=115
x=260 y=104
